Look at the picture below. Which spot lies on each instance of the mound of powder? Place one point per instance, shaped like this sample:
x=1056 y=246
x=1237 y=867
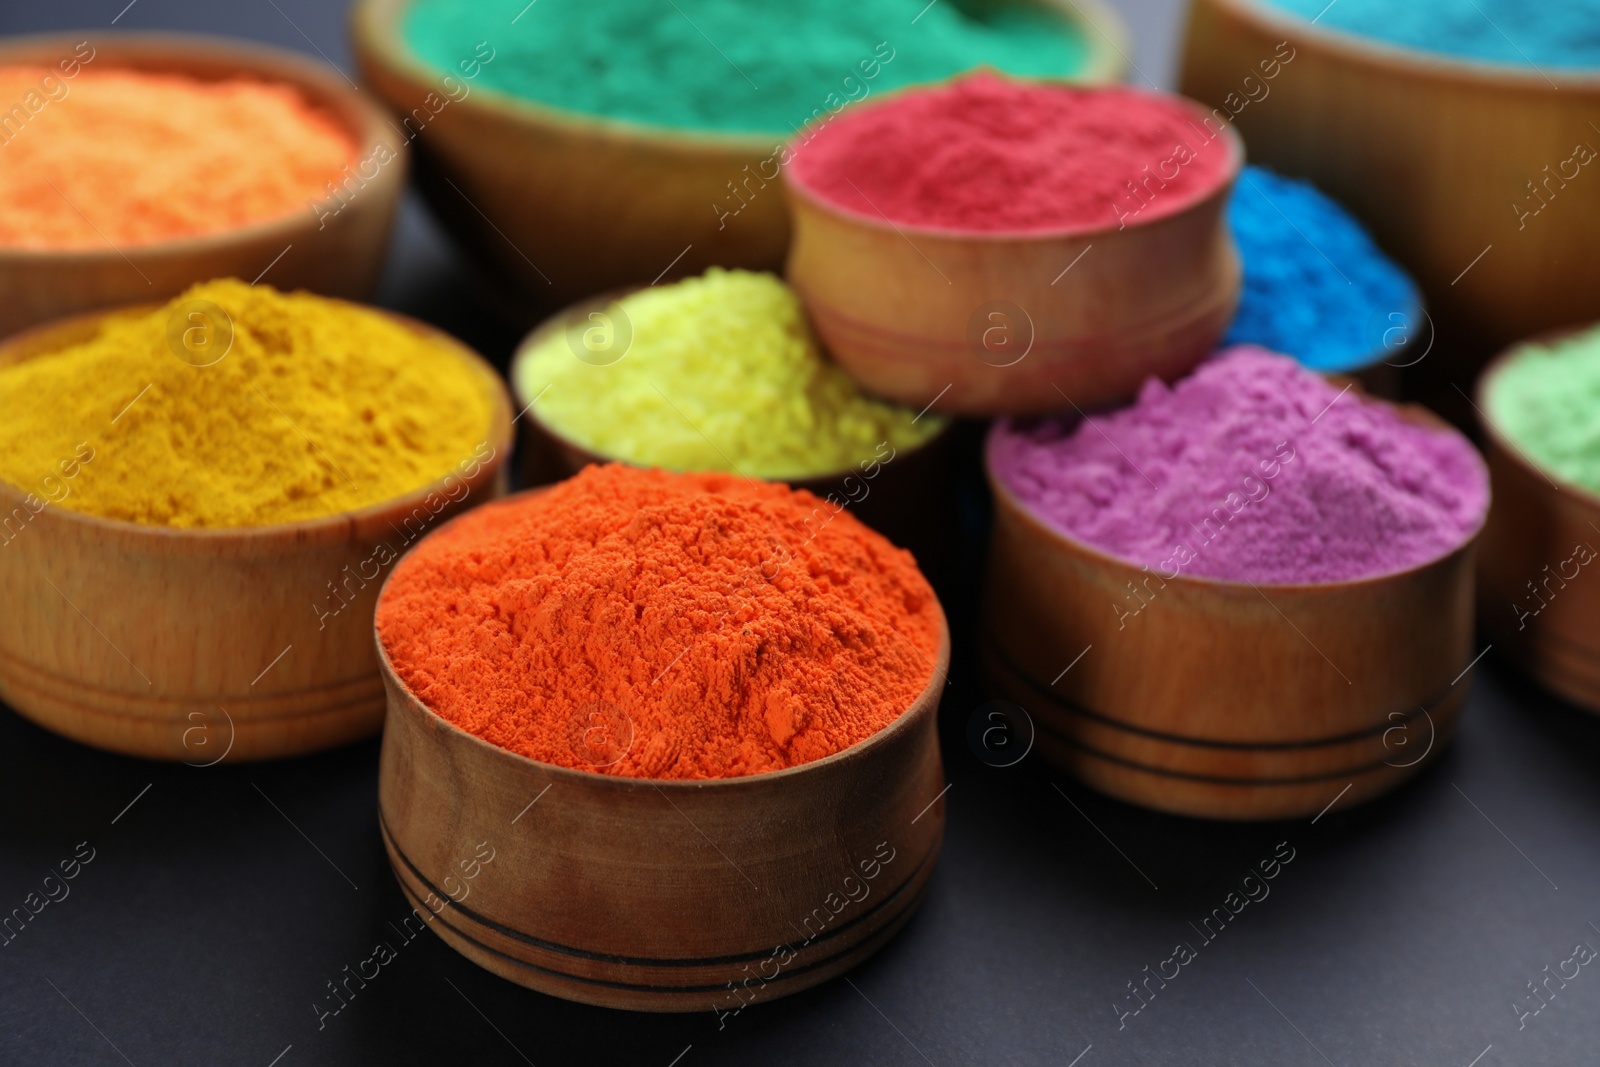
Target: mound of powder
x=1316 y=287
x=1551 y=33
x=1253 y=469
x=128 y=157
x=733 y=65
x=723 y=373
x=656 y=625
x=1547 y=401
x=987 y=153
x=308 y=407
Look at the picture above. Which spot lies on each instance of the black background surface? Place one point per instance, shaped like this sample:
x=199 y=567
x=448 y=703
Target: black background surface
x=219 y=904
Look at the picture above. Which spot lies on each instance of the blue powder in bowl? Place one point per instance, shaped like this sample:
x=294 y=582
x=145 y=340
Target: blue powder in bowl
x=1538 y=33
x=1316 y=287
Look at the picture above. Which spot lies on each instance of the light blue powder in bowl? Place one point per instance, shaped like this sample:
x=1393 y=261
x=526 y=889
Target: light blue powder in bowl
x=1527 y=33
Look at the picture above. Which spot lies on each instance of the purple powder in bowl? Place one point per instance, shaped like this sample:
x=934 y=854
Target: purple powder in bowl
x=1252 y=469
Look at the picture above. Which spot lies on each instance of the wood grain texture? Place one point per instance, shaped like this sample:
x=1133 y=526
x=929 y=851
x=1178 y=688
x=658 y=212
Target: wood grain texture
x=910 y=311
x=665 y=896
x=1430 y=152
x=1530 y=602
x=568 y=205
x=338 y=253
x=195 y=644
x=1220 y=699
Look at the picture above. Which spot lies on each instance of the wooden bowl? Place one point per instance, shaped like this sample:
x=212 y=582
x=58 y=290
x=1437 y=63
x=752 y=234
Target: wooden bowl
x=195 y=644
x=1546 y=621
x=666 y=896
x=910 y=310
x=1433 y=153
x=569 y=204
x=338 y=253
x=1217 y=698
x=903 y=494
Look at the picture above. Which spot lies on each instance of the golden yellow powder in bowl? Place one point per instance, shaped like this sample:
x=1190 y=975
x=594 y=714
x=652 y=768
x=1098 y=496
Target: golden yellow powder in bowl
x=237 y=405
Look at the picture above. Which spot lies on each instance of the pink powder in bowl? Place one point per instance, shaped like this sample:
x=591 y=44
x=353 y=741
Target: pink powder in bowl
x=1252 y=469
x=995 y=155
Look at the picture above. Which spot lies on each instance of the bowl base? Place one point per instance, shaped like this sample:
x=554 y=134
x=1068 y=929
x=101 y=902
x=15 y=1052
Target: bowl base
x=1217 y=779
x=721 y=984
x=237 y=728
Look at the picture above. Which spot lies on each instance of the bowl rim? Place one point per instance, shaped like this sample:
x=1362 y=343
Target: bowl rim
x=795 y=187
x=363 y=121
x=1501 y=440
x=1403 y=59
x=925 y=703
x=501 y=434
x=543 y=330
x=1413 y=412
x=376 y=30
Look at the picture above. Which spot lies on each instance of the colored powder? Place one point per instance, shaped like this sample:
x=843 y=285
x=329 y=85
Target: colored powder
x=1551 y=33
x=314 y=407
x=124 y=158
x=1253 y=469
x=731 y=65
x=991 y=154
x=722 y=373
x=1315 y=286
x=1547 y=402
x=656 y=625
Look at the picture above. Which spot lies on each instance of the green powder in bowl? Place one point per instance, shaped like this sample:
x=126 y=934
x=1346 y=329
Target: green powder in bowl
x=716 y=373
x=733 y=65
x=1546 y=400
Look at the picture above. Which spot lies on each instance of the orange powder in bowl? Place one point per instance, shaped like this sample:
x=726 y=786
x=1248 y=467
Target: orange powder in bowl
x=657 y=625
x=133 y=158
